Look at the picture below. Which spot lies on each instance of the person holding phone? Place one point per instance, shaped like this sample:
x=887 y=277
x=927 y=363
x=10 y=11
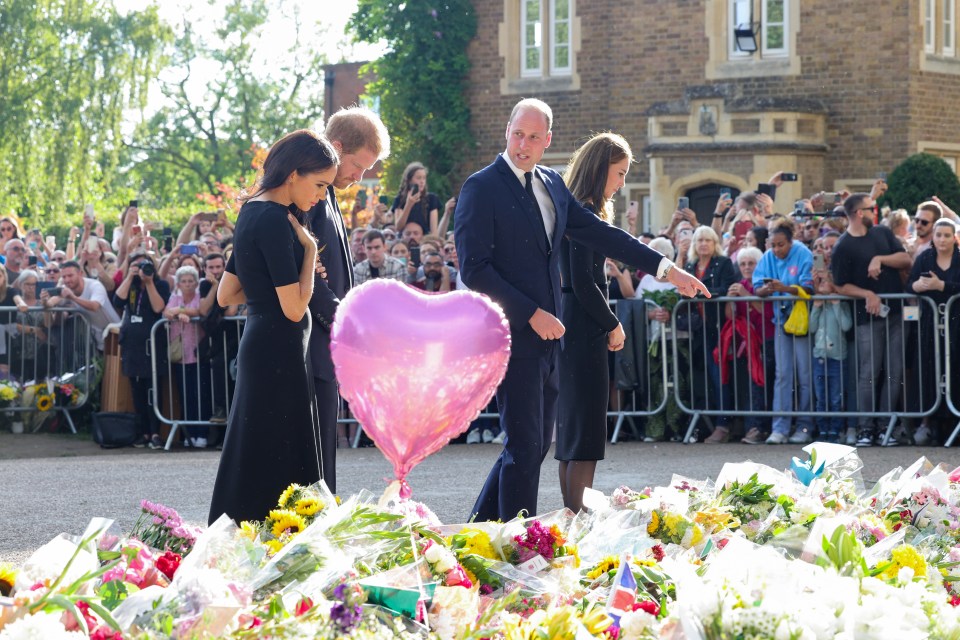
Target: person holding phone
x=414 y=203
x=30 y=353
x=786 y=267
x=935 y=275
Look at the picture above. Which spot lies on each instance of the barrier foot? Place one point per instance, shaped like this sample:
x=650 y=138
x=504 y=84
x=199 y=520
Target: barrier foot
x=953 y=436
x=356 y=438
x=616 y=429
x=171 y=436
x=689 y=438
x=66 y=415
x=889 y=431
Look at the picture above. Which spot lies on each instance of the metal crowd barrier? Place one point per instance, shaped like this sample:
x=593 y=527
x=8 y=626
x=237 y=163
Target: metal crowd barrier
x=949 y=325
x=899 y=335
x=44 y=347
x=200 y=389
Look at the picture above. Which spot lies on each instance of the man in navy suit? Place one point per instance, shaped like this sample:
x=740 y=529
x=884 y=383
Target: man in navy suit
x=360 y=138
x=510 y=216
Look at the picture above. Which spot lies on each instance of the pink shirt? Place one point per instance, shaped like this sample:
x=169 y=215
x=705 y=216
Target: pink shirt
x=191 y=334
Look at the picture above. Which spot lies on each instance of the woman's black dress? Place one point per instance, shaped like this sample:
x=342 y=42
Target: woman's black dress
x=272 y=431
x=583 y=368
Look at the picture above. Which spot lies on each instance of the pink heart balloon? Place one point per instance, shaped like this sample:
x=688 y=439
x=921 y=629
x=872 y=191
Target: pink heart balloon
x=417 y=368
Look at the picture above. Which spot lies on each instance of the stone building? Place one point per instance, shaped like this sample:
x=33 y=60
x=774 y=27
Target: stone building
x=836 y=92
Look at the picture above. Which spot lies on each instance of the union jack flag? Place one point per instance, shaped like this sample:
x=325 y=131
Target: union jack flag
x=623 y=593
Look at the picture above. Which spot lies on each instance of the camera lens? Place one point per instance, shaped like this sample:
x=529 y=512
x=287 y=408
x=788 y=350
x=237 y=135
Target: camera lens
x=147 y=268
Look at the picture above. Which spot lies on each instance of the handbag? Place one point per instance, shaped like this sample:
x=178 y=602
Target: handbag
x=112 y=430
x=799 y=321
x=175 y=349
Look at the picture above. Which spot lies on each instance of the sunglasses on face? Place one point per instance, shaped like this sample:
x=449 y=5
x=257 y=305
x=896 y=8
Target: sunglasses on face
x=6 y=229
x=921 y=222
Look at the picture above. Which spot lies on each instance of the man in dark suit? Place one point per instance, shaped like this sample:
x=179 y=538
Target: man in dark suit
x=360 y=138
x=510 y=216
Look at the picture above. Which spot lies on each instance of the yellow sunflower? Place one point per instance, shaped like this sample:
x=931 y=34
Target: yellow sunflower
x=308 y=506
x=249 y=530
x=273 y=546
x=287 y=523
x=44 y=402
x=607 y=564
x=8 y=576
x=654 y=523
x=290 y=493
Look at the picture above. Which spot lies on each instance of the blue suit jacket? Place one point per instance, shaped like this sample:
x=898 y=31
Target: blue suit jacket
x=327 y=226
x=503 y=252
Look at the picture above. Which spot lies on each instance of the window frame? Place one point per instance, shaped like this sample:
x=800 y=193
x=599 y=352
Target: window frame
x=732 y=51
x=948 y=21
x=556 y=70
x=929 y=26
x=525 y=71
x=766 y=51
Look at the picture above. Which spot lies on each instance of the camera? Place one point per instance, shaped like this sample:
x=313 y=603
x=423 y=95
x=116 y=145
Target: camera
x=147 y=268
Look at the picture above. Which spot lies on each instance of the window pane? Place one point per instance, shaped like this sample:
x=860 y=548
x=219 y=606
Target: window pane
x=775 y=11
x=561 y=9
x=774 y=37
x=532 y=8
x=741 y=12
x=533 y=58
x=561 y=57
x=561 y=34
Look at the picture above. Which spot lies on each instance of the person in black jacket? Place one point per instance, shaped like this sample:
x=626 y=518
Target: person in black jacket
x=935 y=275
x=596 y=172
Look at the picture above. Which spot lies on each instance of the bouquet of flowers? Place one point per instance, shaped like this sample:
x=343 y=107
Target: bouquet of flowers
x=10 y=391
x=44 y=396
x=297 y=508
x=163 y=529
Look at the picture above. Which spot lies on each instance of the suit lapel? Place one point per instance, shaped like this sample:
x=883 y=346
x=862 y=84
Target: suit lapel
x=529 y=212
x=342 y=236
x=558 y=224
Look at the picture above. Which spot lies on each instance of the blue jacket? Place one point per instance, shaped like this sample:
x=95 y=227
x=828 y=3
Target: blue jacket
x=795 y=269
x=503 y=251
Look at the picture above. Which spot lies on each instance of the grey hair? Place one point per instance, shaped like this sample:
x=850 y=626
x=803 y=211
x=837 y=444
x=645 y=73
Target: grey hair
x=26 y=273
x=187 y=270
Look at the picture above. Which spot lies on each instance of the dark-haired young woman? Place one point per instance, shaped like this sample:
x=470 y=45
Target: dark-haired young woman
x=596 y=172
x=272 y=437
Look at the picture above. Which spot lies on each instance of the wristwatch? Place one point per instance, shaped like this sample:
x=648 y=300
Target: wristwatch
x=717 y=215
x=666 y=272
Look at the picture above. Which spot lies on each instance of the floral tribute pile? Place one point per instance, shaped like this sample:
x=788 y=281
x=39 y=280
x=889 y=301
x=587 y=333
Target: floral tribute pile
x=759 y=553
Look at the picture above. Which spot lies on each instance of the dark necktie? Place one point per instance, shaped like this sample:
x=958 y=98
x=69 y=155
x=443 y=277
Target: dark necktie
x=528 y=185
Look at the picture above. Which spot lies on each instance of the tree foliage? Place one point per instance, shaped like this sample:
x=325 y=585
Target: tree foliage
x=420 y=81
x=68 y=70
x=919 y=177
x=202 y=140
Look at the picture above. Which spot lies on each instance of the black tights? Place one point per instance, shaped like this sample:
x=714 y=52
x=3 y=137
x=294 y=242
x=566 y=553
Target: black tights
x=575 y=476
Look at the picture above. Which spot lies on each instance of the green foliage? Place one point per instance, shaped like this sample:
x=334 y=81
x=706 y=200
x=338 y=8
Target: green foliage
x=843 y=552
x=420 y=82
x=202 y=140
x=919 y=177
x=68 y=70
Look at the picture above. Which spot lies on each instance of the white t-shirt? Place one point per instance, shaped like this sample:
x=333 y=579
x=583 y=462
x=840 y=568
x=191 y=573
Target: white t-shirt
x=98 y=320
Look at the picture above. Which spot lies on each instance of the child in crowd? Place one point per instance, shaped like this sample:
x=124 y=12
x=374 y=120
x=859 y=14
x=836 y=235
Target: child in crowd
x=829 y=320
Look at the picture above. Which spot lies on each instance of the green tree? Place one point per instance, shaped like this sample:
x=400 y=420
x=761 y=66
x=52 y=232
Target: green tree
x=202 y=139
x=919 y=177
x=68 y=70
x=420 y=82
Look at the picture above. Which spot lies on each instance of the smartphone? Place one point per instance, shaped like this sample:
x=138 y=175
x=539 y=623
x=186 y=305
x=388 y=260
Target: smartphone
x=134 y=203
x=881 y=175
x=683 y=203
x=208 y=216
x=92 y=244
x=168 y=243
x=819 y=262
x=415 y=189
x=884 y=311
x=767 y=280
x=415 y=256
x=925 y=274
x=32 y=261
x=385 y=200
x=51 y=241
x=768 y=189
x=362 y=199
x=788 y=177
x=725 y=192
x=54 y=291
x=88 y=211
x=136 y=230
x=189 y=250
x=45 y=284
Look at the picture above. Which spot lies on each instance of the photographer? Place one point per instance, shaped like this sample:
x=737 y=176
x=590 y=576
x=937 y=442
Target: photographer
x=436 y=275
x=142 y=298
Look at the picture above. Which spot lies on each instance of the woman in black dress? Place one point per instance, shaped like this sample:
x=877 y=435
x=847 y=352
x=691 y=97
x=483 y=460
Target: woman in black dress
x=596 y=172
x=272 y=437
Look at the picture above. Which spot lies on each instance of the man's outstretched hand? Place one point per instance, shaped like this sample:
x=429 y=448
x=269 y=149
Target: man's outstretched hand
x=686 y=284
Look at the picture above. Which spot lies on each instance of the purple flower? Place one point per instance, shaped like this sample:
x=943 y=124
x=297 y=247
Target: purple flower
x=433 y=12
x=438 y=34
x=345 y=616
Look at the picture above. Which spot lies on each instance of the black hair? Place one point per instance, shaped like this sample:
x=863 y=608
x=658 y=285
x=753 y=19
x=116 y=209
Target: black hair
x=303 y=151
x=761 y=234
